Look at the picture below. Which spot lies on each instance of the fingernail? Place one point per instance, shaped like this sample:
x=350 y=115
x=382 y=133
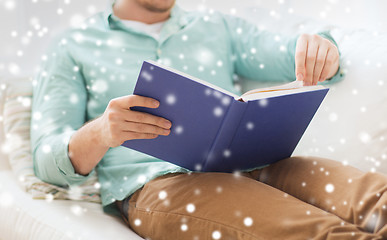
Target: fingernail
x=167 y=124
x=300 y=77
x=155 y=103
x=322 y=79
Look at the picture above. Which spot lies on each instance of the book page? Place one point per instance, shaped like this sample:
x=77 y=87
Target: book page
x=289 y=88
x=291 y=85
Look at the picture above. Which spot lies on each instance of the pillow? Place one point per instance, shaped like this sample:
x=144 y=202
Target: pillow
x=3 y=157
x=16 y=120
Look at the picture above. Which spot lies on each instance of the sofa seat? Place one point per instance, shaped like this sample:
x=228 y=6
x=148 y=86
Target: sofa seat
x=22 y=217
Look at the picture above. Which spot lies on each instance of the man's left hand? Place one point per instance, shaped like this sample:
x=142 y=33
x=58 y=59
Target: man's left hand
x=317 y=59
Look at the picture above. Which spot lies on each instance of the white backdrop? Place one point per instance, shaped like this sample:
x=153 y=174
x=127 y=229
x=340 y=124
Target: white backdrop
x=26 y=26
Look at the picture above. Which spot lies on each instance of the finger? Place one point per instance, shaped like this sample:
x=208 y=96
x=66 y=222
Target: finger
x=329 y=62
x=311 y=55
x=300 y=57
x=136 y=135
x=145 y=128
x=320 y=61
x=135 y=100
x=141 y=117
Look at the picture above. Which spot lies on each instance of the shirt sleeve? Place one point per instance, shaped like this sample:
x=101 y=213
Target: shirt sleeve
x=263 y=55
x=58 y=110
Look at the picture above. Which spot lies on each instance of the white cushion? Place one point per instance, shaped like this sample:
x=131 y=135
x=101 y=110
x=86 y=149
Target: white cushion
x=21 y=217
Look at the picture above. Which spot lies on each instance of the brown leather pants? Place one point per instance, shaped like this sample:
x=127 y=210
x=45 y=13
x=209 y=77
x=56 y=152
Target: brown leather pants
x=296 y=198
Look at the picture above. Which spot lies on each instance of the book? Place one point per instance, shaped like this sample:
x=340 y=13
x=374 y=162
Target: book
x=218 y=131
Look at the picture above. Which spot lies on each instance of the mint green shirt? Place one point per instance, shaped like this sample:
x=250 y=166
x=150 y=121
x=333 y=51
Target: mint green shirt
x=99 y=61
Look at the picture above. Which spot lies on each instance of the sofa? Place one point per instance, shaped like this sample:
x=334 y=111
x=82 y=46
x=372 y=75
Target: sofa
x=350 y=127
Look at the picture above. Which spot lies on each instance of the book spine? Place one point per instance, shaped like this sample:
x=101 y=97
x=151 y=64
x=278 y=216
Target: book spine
x=225 y=135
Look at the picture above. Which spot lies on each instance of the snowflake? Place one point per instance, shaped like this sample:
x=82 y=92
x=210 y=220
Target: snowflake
x=171 y=99
x=179 y=129
x=77 y=210
x=165 y=61
x=13 y=68
x=59 y=11
x=118 y=61
x=216 y=235
x=25 y=101
x=78 y=37
x=75 y=193
x=46 y=148
x=333 y=117
x=248 y=221
x=250 y=125
x=190 y=208
x=49 y=197
x=263 y=102
x=197 y=191
x=184 y=227
x=97 y=185
x=218 y=111
x=329 y=188
x=163 y=195
x=226 y=100
x=198 y=167
x=9 y=4
x=205 y=56
x=227 y=153
x=364 y=137
x=100 y=86
x=217 y=94
x=74 y=98
x=141 y=179
x=137 y=222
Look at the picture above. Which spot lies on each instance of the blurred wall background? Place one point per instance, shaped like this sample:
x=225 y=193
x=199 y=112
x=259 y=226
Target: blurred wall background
x=26 y=26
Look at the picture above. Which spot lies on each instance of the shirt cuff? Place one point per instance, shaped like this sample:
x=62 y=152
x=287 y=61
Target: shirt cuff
x=63 y=162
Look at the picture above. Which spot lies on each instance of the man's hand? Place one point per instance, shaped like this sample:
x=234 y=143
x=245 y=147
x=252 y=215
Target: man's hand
x=119 y=123
x=317 y=59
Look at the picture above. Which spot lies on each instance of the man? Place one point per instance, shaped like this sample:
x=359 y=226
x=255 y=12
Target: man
x=88 y=77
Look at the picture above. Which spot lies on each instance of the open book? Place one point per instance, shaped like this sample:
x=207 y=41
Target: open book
x=216 y=130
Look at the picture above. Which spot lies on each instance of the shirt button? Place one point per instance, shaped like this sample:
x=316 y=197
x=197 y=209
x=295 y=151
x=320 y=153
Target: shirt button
x=158 y=51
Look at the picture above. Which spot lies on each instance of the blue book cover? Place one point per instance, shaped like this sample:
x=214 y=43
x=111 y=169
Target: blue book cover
x=215 y=130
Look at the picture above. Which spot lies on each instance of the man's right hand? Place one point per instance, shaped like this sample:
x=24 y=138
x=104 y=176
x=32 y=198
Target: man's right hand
x=119 y=123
